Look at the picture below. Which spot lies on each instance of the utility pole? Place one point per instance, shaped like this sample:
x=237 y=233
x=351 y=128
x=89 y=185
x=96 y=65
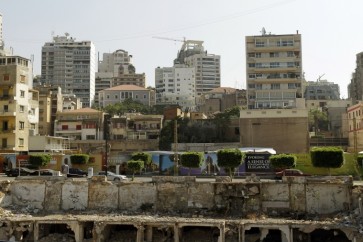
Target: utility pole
x=175 y=147
x=355 y=138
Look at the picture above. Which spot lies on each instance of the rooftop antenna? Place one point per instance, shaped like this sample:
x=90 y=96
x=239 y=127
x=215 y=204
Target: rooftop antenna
x=263 y=31
x=318 y=80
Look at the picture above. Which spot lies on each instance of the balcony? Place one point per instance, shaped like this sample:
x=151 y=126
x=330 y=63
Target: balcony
x=7 y=112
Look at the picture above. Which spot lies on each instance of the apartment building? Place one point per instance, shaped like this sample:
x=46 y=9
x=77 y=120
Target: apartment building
x=121 y=93
x=117 y=69
x=81 y=124
x=19 y=112
x=221 y=98
x=70 y=64
x=273 y=70
x=176 y=85
x=355 y=127
x=322 y=90
x=355 y=88
x=207 y=65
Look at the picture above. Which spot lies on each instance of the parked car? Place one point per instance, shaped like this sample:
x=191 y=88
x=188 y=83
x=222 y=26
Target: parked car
x=290 y=172
x=44 y=172
x=15 y=172
x=112 y=176
x=76 y=172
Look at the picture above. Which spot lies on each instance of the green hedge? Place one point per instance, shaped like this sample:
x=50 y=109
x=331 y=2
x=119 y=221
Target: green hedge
x=360 y=160
x=327 y=157
x=39 y=160
x=145 y=157
x=79 y=159
x=229 y=159
x=191 y=159
x=134 y=166
x=283 y=161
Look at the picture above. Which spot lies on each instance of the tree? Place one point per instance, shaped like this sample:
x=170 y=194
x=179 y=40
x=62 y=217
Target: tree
x=318 y=120
x=79 y=159
x=327 y=157
x=39 y=160
x=191 y=160
x=135 y=165
x=283 y=161
x=229 y=159
x=145 y=157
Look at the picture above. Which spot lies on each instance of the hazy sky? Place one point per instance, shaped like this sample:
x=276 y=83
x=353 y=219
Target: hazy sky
x=331 y=31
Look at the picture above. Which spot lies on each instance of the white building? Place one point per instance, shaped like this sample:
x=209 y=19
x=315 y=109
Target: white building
x=70 y=64
x=207 y=66
x=176 y=85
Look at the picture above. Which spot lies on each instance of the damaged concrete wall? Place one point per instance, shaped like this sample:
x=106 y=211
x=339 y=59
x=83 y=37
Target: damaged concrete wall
x=185 y=194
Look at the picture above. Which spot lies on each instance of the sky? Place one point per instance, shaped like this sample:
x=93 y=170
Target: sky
x=331 y=31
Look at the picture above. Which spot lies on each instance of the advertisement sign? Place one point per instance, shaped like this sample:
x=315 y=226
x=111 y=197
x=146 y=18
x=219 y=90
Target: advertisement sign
x=257 y=162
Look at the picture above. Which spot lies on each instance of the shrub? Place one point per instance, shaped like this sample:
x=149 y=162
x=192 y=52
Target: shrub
x=39 y=160
x=327 y=157
x=79 y=159
x=145 y=157
x=229 y=159
x=135 y=165
x=283 y=161
x=191 y=160
x=360 y=160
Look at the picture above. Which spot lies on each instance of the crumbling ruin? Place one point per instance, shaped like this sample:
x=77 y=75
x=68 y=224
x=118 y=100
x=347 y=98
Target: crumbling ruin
x=182 y=210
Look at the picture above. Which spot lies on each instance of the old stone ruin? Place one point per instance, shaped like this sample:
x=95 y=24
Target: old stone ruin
x=180 y=209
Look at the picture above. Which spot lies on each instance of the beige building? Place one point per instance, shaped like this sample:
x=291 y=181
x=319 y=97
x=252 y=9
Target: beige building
x=355 y=88
x=79 y=124
x=221 y=98
x=355 y=127
x=18 y=105
x=273 y=70
x=285 y=130
x=120 y=93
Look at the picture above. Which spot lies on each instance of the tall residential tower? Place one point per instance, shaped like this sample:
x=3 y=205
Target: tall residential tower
x=70 y=64
x=273 y=70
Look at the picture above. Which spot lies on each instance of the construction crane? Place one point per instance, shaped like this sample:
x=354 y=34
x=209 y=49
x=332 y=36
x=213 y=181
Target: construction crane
x=179 y=40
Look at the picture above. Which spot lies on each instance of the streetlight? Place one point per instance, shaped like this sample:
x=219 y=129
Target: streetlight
x=106 y=130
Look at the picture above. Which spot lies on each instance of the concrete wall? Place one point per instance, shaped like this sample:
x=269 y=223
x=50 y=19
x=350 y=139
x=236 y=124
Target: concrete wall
x=183 y=194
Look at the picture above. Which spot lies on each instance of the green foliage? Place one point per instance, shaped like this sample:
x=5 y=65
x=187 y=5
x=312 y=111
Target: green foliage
x=229 y=159
x=327 y=157
x=127 y=106
x=39 y=160
x=145 y=157
x=283 y=161
x=318 y=120
x=191 y=159
x=134 y=166
x=360 y=160
x=79 y=159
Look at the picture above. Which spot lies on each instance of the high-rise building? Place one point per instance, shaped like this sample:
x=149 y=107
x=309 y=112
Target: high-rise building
x=1 y=32
x=355 y=88
x=176 y=85
x=273 y=70
x=70 y=64
x=207 y=66
x=117 y=69
x=322 y=90
x=19 y=105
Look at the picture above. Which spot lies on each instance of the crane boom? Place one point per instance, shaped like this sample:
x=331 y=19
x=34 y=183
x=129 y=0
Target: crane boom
x=157 y=37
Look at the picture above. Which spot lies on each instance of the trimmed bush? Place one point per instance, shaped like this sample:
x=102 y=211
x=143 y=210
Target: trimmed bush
x=145 y=157
x=327 y=157
x=360 y=160
x=79 y=159
x=283 y=161
x=134 y=166
x=191 y=160
x=229 y=159
x=39 y=160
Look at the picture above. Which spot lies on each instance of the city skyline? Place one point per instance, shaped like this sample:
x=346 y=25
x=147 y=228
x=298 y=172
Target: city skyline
x=330 y=40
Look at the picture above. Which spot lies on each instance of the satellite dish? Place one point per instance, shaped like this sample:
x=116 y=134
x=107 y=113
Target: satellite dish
x=263 y=31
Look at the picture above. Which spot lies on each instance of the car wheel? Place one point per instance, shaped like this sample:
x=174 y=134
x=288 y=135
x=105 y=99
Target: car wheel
x=116 y=179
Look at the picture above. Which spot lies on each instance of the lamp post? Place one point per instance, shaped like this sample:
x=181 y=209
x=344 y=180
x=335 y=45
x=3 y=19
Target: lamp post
x=106 y=129
x=175 y=147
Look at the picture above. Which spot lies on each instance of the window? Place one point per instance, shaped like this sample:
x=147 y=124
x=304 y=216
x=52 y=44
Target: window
x=251 y=85
x=78 y=127
x=144 y=96
x=258 y=55
x=6 y=77
x=251 y=76
x=275 y=86
x=22 y=93
x=259 y=86
x=22 y=78
x=22 y=108
x=291 y=86
x=260 y=44
x=21 y=125
x=4 y=143
x=274 y=65
x=274 y=54
x=251 y=65
x=21 y=142
x=6 y=108
x=64 y=127
x=290 y=54
x=251 y=54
